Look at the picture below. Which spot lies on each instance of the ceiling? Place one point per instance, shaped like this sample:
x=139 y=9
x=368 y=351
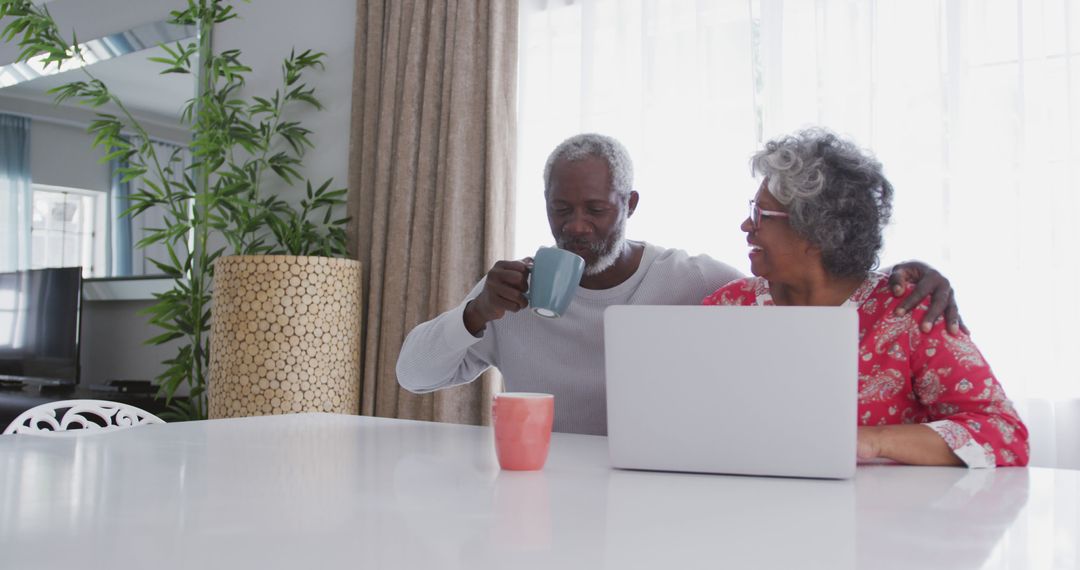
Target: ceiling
x=137 y=81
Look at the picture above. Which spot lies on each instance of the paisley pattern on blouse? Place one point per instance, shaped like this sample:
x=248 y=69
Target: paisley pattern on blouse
x=965 y=351
x=907 y=376
x=879 y=385
x=928 y=387
x=891 y=329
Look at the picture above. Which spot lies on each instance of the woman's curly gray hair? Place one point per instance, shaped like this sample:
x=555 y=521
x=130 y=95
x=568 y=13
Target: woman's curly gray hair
x=579 y=147
x=835 y=193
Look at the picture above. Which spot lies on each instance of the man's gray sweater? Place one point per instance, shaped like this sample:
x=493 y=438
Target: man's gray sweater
x=563 y=356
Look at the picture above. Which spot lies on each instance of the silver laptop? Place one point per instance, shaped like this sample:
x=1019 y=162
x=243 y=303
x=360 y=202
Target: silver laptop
x=736 y=390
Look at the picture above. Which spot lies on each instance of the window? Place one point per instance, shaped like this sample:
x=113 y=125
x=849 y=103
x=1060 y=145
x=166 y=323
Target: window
x=976 y=121
x=67 y=229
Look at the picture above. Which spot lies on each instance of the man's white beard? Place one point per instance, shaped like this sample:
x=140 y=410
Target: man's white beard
x=606 y=254
x=609 y=257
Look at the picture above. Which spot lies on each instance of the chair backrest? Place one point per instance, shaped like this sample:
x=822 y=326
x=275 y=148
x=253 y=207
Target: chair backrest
x=1067 y=420
x=80 y=415
x=1053 y=431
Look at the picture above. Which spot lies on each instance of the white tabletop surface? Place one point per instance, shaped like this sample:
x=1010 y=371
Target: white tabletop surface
x=326 y=491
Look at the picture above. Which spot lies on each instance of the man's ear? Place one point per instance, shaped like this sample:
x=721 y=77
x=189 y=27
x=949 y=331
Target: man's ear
x=631 y=204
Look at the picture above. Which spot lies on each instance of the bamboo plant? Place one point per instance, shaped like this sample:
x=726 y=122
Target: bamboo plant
x=238 y=142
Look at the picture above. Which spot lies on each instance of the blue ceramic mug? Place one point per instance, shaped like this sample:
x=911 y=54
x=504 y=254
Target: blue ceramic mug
x=553 y=281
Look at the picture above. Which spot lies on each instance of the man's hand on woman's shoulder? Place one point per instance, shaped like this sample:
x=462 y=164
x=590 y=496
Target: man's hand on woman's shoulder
x=928 y=282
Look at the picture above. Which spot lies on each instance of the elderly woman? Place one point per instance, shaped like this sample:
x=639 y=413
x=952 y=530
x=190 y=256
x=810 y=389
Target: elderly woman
x=814 y=230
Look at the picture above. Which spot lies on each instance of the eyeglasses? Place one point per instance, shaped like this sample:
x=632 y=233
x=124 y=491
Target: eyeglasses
x=757 y=213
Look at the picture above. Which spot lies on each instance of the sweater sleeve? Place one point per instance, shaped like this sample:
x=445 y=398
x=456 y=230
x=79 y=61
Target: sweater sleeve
x=716 y=274
x=441 y=353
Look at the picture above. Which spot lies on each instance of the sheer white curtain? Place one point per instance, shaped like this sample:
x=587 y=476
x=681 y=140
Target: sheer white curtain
x=972 y=106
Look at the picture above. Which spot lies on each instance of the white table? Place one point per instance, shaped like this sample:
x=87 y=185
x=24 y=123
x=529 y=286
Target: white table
x=324 y=491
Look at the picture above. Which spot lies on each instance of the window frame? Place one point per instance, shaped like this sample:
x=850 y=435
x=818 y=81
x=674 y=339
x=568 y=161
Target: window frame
x=98 y=233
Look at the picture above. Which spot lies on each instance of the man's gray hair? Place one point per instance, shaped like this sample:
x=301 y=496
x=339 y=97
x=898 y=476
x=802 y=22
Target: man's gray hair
x=579 y=147
x=836 y=194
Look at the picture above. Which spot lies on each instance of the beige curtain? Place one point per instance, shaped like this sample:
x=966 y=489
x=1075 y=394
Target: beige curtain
x=431 y=177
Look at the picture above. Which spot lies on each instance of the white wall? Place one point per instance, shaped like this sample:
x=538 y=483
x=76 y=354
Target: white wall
x=265 y=32
x=61 y=156
x=60 y=149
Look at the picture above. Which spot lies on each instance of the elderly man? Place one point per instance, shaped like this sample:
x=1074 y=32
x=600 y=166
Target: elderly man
x=588 y=185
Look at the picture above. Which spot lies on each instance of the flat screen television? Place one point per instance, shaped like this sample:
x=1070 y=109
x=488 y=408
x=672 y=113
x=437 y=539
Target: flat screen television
x=40 y=312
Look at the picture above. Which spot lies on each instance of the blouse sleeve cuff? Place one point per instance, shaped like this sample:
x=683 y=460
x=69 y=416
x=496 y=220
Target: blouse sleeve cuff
x=963 y=445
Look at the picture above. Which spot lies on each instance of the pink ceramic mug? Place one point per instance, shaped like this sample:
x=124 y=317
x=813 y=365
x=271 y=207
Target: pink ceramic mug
x=522 y=429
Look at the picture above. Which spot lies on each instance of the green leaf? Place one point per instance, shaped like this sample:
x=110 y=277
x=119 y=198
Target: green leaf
x=164 y=338
x=170 y=270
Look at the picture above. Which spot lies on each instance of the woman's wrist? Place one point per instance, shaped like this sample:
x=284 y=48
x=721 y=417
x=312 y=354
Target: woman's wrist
x=913 y=444
x=885 y=442
x=870 y=442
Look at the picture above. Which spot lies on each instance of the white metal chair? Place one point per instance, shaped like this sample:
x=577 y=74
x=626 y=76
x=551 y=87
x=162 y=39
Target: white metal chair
x=80 y=416
x=1053 y=431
